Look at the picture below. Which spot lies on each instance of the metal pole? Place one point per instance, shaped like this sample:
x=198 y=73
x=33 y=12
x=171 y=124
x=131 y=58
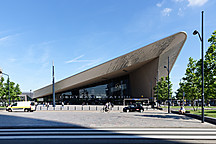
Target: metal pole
x=157 y=89
x=168 y=89
x=30 y=95
x=151 y=94
x=9 y=88
x=202 y=41
x=53 y=86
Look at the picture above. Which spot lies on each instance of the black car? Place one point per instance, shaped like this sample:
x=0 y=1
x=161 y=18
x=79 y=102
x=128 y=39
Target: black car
x=133 y=108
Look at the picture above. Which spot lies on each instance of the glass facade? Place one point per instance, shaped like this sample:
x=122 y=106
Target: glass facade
x=114 y=90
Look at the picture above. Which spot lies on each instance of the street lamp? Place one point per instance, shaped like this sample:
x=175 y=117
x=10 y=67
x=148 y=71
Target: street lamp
x=30 y=94
x=167 y=68
x=157 y=89
x=8 y=84
x=53 y=85
x=201 y=39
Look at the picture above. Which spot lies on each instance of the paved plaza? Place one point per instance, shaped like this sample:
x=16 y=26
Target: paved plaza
x=96 y=119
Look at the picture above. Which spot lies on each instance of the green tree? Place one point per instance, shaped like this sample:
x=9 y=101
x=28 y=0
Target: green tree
x=6 y=91
x=18 y=92
x=210 y=68
x=163 y=89
x=180 y=91
x=14 y=91
x=191 y=82
x=2 y=91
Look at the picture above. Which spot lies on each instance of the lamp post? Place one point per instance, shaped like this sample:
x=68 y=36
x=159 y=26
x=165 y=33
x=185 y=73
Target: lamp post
x=167 y=68
x=30 y=94
x=201 y=39
x=53 y=85
x=157 y=89
x=8 y=84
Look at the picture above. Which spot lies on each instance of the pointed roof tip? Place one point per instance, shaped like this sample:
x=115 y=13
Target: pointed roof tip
x=183 y=32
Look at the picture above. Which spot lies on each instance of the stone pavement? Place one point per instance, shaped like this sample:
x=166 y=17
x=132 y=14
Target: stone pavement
x=96 y=119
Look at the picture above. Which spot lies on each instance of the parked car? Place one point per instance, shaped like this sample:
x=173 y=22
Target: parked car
x=133 y=108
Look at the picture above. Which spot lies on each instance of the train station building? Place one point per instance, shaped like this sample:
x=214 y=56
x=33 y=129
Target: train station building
x=120 y=80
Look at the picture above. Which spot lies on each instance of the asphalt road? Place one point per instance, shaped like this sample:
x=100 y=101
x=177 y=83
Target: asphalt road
x=108 y=135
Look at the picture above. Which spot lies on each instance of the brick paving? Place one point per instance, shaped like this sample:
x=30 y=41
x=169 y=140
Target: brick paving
x=148 y=119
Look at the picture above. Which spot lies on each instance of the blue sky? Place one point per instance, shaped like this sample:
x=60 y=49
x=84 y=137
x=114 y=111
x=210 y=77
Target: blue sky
x=80 y=34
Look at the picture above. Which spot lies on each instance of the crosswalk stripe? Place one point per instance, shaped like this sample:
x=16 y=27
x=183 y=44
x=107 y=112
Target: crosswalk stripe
x=113 y=137
x=109 y=133
x=114 y=132
x=112 y=129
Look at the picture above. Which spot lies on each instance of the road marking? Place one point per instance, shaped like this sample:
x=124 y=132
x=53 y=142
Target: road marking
x=111 y=132
x=114 y=129
x=113 y=137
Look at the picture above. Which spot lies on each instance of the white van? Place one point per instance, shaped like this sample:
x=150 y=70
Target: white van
x=21 y=106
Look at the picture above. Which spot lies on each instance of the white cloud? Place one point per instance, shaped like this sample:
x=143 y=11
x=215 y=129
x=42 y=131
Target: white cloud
x=159 y=4
x=92 y=63
x=197 y=2
x=12 y=60
x=178 y=0
x=4 y=38
x=166 y=11
x=8 y=37
x=88 y=63
x=180 y=12
x=77 y=60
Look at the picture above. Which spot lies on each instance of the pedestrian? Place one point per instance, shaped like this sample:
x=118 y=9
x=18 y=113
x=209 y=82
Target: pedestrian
x=62 y=105
x=112 y=104
x=36 y=104
x=109 y=105
x=106 y=107
x=182 y=110
x=48 y=106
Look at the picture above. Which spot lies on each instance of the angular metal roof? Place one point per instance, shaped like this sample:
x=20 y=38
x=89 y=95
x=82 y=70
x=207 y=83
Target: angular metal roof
x=169 y=46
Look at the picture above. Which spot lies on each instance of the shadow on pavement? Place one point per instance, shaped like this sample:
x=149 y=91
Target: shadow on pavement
x=8 y=121
x=17 y=122
x=166 y=116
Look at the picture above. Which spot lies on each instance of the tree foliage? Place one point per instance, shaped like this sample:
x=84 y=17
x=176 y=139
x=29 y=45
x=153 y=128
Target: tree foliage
x=192 y=81
x=11 y=93
x=162 y=89
x=190 y=84
x=210 y=68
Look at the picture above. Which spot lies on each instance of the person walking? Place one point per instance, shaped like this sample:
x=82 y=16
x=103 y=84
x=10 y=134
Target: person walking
x=62 y=105
x=48 y=106
x=182 y=110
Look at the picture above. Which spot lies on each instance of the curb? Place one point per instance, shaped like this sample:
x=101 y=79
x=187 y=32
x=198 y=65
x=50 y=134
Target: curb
x=206 y=119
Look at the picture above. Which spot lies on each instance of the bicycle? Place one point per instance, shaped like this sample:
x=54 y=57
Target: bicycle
x=105 y=109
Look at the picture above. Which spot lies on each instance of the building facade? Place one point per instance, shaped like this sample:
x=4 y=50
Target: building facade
x=126 y=77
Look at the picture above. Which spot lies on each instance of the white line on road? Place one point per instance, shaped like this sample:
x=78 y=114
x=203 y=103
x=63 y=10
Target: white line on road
x=112 y=132
x=113 y=137
x=114 y=129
